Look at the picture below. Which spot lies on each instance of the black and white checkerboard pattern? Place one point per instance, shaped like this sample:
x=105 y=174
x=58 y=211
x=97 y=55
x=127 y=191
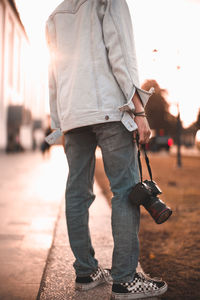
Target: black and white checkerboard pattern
x=140 y=285
x=102 y=273
x=97 y=275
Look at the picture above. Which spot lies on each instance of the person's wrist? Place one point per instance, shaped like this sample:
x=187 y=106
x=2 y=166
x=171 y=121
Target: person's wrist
x=143 y=116
x=139 y=113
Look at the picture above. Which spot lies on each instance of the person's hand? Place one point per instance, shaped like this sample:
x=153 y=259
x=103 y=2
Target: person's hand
x=143 y=129
x=141 y=121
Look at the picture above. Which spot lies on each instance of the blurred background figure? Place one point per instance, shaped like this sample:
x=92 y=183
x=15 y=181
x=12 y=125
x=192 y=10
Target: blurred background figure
x=45 y=147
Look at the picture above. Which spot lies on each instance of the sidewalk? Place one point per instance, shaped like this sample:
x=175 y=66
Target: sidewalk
x=30 y=198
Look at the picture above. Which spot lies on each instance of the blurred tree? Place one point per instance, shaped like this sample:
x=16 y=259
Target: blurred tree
x=157 y=110
x=195 y=126
x=198 y=121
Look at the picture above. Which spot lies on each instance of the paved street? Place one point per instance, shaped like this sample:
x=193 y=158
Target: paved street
x=31 y=190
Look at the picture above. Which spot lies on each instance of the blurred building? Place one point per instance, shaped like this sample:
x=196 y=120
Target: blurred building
x=22 y=100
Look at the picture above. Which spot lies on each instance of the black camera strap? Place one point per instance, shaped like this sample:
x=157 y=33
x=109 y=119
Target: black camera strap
x=146 y=159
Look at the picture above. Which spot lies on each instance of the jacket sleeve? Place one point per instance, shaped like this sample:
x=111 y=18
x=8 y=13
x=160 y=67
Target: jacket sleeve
x=119 y=41
x=50 y=32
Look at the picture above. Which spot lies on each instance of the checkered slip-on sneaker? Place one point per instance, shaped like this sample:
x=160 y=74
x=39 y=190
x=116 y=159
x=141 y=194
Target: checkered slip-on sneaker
x=141 y=287
x=100 y=276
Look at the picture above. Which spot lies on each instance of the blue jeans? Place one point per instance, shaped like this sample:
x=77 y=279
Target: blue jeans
x=120 y=163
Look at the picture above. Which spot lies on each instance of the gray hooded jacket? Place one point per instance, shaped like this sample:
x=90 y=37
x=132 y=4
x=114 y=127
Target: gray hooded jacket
x=93 y=71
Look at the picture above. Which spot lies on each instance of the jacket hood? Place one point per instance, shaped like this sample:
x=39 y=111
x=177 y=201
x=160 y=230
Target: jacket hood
x=70 y=6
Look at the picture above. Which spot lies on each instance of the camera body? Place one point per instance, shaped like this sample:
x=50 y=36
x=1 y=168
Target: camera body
x=145 y=193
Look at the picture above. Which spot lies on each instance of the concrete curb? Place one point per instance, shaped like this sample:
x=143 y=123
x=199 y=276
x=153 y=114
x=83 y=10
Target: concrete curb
x=42 y=284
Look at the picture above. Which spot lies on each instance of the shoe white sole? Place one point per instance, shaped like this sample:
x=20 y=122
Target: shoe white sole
x=88 y=286
x=130 y=296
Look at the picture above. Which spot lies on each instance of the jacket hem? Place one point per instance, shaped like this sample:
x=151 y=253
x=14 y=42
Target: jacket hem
x=96 y=118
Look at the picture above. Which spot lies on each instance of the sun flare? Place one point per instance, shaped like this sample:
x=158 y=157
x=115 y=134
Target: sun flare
x=157 y=25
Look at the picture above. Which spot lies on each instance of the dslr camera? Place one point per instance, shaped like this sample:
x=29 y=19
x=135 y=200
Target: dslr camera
x=146 y=193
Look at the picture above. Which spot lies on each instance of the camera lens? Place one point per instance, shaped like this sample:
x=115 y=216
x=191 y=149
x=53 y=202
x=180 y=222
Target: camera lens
x=157 y=209
x=164 y=215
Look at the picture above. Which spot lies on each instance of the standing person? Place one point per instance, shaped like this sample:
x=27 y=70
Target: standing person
x=95 y=99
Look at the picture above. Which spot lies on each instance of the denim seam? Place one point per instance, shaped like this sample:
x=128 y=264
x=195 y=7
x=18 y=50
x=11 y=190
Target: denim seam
x=89 y=242
x=133 y=240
